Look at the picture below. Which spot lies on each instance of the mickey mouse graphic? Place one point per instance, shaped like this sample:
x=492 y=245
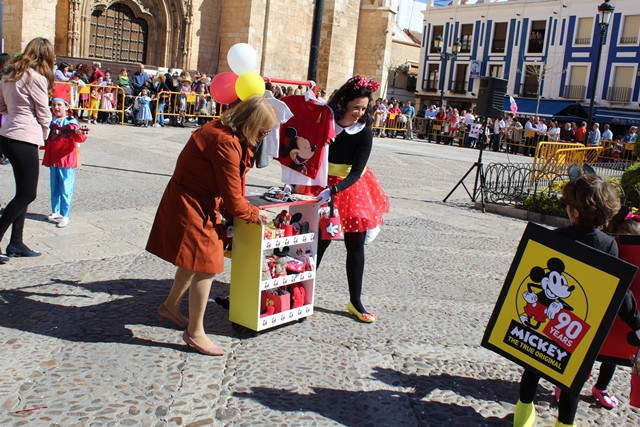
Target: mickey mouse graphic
x=299 y=150
x=546 y=303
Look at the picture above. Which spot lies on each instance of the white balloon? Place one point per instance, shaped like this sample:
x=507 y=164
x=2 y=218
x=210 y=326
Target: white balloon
x=242 y=58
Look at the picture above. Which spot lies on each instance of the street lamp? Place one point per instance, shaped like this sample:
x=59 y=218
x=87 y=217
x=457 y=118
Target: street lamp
x=606 y=12
x=446 y=56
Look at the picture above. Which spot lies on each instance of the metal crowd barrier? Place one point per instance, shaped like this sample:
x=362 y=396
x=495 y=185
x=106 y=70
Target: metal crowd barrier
x=182 y=107
x=390 y=124
x=439 y=130
x=81 y=98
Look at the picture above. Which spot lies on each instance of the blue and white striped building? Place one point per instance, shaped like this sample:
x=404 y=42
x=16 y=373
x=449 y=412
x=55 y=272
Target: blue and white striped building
x=545 y=49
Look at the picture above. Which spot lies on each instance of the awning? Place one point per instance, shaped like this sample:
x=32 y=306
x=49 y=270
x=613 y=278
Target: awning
x=617 y=117
x=547 y=108
x=573 y=113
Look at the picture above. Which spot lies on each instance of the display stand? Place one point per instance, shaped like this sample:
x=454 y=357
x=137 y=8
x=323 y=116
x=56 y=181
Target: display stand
x=248 y=251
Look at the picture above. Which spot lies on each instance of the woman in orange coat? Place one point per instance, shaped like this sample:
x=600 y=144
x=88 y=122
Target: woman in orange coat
x=208 y=183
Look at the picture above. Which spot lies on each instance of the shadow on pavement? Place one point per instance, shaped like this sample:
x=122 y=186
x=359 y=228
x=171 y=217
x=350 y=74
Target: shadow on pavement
x=88 y=318
x=384 y=407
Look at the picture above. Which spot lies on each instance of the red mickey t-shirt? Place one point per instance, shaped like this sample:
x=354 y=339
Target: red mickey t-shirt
x=313 y=122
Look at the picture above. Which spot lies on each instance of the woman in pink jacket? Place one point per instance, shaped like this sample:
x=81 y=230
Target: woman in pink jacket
x=24 y=101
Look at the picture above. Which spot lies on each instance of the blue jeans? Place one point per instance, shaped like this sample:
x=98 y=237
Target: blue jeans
x=160 y=113
x=62 y=181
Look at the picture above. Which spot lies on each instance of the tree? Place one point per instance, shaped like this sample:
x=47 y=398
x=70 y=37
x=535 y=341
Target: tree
x=539 y=72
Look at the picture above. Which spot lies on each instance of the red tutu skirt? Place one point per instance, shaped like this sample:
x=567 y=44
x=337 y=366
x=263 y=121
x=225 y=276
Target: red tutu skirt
x=362 y=205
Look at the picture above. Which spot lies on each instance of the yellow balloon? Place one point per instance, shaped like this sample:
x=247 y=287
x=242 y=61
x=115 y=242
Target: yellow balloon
x=248 y=84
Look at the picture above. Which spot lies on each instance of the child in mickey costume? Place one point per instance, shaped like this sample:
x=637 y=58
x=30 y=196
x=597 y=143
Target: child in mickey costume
x=358 y=196
x=590 y=203
x=60 y=155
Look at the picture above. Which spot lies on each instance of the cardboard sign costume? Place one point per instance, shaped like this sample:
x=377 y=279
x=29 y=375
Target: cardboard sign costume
x=556 y=307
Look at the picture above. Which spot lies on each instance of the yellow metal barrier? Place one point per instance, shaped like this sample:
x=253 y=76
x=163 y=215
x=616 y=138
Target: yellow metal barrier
x=390 y=124
x=553 y=158
x=81 y=101
x=617 y=151
x=440 y=130
x=185 y=106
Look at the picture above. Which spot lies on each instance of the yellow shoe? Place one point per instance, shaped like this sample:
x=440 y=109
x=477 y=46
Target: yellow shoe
x=524 y=415
x=363 y=317
x=559 y=424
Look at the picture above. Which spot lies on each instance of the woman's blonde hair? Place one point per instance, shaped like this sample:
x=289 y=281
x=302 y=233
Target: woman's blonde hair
x=249 y=118
x=38 y=55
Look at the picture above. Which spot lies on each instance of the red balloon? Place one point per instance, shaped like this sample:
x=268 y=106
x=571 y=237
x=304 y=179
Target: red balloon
x=223 y=87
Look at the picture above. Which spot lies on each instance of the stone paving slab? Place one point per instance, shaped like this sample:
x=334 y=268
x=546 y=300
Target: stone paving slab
x=81 y=344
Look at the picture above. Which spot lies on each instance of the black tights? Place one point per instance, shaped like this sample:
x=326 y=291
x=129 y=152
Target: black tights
x=26 y=167
x=567 y=406
x=354 y=242
x=605 y=375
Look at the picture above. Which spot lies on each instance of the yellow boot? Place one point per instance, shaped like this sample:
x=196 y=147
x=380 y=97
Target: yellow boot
x=524 y=415
x=559 y=424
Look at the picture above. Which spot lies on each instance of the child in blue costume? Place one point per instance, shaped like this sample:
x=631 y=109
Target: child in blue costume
x=144 y=113
x=60 y=155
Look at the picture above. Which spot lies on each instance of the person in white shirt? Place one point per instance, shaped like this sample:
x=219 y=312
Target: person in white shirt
x=607 y=135
x=541 y=129
x=530 y=141
x=554 y=132
x=498 y=131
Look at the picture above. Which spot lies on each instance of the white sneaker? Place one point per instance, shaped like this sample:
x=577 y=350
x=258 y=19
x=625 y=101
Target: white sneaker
x=371 y=235
x=63 y=222
x=54 y=216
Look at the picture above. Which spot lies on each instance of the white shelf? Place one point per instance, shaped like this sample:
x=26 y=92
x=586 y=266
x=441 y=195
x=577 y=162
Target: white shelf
x=285 y=317
x=286 y=280
x=281 y=242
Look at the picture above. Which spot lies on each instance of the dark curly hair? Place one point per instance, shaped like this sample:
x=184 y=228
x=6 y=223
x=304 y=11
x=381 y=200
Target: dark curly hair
x=349 y=91
x=594 y=198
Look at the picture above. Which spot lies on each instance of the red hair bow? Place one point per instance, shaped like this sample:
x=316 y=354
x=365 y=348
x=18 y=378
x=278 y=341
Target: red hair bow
x=364 y=82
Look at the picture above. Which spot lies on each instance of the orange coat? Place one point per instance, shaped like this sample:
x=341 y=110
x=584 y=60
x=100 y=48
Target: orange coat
x=208 y=182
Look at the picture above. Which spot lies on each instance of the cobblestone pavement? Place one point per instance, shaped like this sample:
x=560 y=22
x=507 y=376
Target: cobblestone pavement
x=81 y=343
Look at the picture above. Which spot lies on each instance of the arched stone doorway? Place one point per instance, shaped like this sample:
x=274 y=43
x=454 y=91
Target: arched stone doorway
x=116 y=34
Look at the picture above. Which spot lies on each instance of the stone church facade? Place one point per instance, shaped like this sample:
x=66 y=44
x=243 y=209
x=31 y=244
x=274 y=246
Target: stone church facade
x=196 y=34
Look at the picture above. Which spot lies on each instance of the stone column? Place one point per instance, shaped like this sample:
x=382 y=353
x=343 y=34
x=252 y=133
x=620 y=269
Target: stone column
x=375 y=31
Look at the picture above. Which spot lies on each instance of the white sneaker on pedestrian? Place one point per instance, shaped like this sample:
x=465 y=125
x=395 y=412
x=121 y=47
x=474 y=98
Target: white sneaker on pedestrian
x=63 y=222
x=54 y=216
x=371 y=234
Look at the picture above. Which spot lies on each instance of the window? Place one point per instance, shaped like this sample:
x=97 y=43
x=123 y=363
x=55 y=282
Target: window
x=433 y=78
x=622 y=83
x=531 y=80
x=460 y=83
x=630 y=29
x=577 y=82
x=438 y=30
x=536 y=37
x=585 y=31
x=495 y=70
x=466 y=31
x=499 y=38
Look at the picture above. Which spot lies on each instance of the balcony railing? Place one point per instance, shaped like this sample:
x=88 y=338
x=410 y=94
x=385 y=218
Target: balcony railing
x=619 y=94
x=629 y=40
x=530 y=90
x=583 y=40
x=574 y=92
x=498 y=46
x=459 y=87
x=430 y=87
